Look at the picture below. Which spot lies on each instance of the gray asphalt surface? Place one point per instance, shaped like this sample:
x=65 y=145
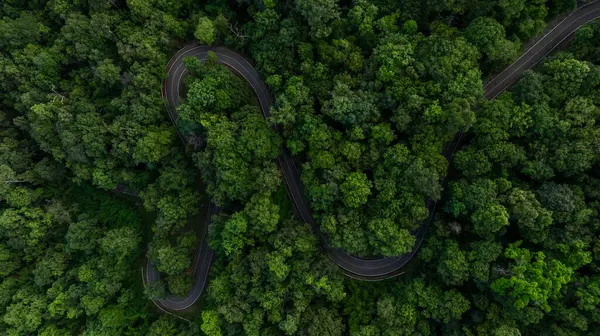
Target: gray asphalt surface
x=544 y=46
x=200 y=276
x=363 y=269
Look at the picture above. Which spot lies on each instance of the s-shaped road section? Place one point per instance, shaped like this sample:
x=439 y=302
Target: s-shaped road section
x=363 y=269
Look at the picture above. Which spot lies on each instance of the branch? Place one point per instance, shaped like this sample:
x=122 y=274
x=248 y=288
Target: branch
x=235 y=31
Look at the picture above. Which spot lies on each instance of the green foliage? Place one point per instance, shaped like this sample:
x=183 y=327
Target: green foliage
x=368 y=95
x=489 y=219
x=389 y=98
x=270 y=286
x=318 y=14
x=355 y=189
x=529 y=214
x=239 y=161
x=213 y=88
x=534 y=279
x=453 y=267
x=234 y=234
x=351 y=107
x=488 y=36
x=519 y=179
x=205 y=31
x=210 y=323
x=388 y=239
x=72 y=265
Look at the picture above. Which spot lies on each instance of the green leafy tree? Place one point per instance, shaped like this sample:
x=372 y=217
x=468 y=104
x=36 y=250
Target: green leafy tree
x=489 y=219
x=529 y=214
x=453 y=266
x=319 y=14
x=534 y=279
x=488 y=36
x=205 y=31
x=355 y=189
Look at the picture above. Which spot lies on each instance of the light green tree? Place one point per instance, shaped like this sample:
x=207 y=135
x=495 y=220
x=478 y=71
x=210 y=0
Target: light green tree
x=205 y=31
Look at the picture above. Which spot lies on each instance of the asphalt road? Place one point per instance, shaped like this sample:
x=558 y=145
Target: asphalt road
x=363 y=269
x=544 y=46
x=200 y=276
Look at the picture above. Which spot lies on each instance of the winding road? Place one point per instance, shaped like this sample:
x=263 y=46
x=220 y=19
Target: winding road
x=363 y=269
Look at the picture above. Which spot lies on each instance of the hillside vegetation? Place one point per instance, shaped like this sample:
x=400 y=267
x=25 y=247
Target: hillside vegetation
x=94 y=178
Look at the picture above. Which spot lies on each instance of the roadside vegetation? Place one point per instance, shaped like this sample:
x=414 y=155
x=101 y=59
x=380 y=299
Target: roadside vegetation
x=368 y=93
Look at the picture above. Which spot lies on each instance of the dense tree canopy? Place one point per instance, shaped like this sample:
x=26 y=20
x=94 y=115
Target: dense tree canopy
x=94 y=180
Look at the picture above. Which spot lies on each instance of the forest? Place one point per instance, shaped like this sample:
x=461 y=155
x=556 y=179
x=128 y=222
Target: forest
x=100 y=175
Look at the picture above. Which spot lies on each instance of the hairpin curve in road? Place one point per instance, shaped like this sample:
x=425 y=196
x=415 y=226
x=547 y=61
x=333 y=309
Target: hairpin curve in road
x=358 y=268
